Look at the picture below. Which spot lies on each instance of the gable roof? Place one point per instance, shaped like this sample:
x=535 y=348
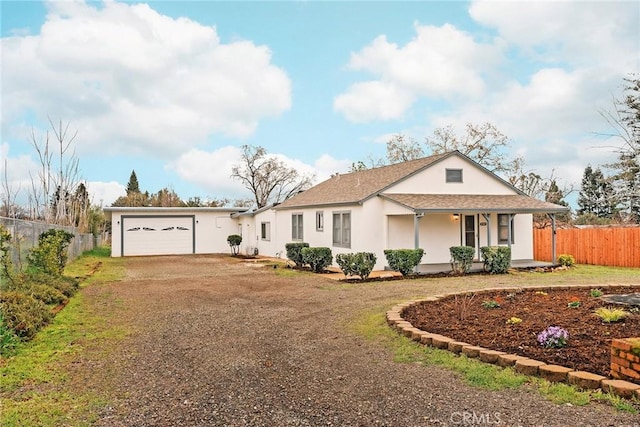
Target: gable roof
x=356 y=187
x=503 y=203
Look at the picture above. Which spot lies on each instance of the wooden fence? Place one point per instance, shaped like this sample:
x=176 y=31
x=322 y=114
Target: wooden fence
x=598 y=246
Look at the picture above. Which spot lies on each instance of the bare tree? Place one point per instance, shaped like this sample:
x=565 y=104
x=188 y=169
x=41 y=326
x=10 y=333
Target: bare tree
x=268 y=179
x=401 y=149
x=9 y=208
x=483 y=143
x=55 y=179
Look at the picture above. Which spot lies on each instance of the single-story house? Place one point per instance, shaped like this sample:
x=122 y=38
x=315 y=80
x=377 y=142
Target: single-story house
x=431 y=203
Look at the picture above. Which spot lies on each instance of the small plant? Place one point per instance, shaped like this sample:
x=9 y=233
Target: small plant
x=553 y=337
x=234 y=241
x=514 y=320
x=541 y=293
x=462 y=304
x=611 y=315
x=404 y=260
x=566 y=260
x=8 y=339
x=574 y=302
x=490 y=304
x=50 y=256
x=317 y=258
x=595 y=293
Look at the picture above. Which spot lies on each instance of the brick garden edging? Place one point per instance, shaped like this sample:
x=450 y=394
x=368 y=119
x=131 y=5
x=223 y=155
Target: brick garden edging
x=522 y=364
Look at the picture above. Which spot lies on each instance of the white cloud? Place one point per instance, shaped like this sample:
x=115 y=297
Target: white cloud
x=105 y=193
x=212 y=170
x=587 y=33
x=135 y=81
x=439 y=62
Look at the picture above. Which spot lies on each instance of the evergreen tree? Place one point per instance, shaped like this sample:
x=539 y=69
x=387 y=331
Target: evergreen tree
x=133 y=186
x=554 y=195
x=597 y=196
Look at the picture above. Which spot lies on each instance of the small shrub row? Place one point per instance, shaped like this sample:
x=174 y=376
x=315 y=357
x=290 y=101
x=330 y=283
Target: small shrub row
x=566 y=260
x=317 y=258
x=497 y=259
x=404 y=261
x=23 y=313
x=357 y=264
x=294 y=252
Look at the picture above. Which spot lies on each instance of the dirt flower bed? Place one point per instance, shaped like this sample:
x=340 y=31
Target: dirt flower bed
x=511 y=322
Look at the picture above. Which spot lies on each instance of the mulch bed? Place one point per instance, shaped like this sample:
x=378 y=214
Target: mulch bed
x=464 y=318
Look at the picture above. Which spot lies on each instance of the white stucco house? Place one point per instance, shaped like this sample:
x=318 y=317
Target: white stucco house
x=433 y=203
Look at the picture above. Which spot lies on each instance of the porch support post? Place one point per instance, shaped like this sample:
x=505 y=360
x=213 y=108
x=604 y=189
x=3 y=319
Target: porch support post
x=553 y=237
x=487 y=217
x=509 y=227
x=416 y=229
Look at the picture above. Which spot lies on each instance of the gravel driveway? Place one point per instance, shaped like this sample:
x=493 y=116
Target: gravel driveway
x=220 y=342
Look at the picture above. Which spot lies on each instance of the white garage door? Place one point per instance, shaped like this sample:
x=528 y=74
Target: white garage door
x=157 y=235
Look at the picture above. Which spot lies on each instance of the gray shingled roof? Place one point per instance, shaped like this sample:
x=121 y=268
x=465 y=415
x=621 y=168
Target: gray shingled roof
x=473 y=203
x=356 y=187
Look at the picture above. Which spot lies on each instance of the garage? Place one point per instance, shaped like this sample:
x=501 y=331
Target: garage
x=158 y=235
x=138 y=231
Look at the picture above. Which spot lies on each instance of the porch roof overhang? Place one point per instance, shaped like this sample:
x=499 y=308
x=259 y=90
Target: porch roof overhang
x=467 y=203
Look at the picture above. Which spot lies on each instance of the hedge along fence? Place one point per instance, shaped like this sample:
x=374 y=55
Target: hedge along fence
x=612 y=246
x=25 y=234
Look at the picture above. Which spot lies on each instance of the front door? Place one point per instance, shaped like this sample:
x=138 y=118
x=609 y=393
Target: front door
x=470 y=231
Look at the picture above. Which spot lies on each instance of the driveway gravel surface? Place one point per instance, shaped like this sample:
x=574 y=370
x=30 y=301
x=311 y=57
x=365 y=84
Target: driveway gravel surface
x=217 y=341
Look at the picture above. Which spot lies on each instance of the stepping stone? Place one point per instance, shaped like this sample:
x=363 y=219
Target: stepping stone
x=626 y=299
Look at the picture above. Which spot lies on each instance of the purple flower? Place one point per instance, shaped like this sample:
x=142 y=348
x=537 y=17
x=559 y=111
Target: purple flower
x=553 y=337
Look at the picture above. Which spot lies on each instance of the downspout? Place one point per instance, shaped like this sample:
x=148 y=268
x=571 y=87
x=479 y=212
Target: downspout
x=553 y=238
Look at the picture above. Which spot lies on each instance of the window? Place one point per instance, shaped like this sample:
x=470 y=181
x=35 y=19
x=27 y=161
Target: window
x=296 y=227
x=265 y=230
x=504 y=221
x=319 y=221
x=342 y=229
x=454 y=175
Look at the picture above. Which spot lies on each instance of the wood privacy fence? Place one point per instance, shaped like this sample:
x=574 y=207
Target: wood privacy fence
x=599 y=246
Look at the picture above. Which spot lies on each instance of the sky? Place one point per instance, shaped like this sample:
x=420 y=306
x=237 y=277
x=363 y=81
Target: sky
x=173 y=89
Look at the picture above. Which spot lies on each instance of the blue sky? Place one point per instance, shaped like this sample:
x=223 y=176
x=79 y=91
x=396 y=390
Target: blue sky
x=173 y=89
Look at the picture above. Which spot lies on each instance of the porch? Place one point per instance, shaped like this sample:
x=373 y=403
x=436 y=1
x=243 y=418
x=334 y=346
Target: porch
x=477 y=266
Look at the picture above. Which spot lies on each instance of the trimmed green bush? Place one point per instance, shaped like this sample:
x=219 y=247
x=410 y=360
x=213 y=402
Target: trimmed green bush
x=8 y=339
x=317 y=258
x=234 y=241
x=566 y=260
x=404 y=260
x=461 y=258
x=497 y=259
x=46 y=294
x=294 y=252
x=358 y=264
x=24 y=314
x=67 y=285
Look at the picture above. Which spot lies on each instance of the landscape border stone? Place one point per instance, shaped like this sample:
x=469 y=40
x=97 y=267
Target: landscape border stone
x=521 y=364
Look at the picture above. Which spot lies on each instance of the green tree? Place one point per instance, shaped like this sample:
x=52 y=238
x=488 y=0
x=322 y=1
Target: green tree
x=596 y=196
x=133 y=186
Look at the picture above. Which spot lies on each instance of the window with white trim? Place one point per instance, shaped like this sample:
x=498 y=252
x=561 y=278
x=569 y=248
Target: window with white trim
x=265 y=230
x=319 y=220
x=504 y=222
x=342 y=229
x=296 y=227
x=453 y=175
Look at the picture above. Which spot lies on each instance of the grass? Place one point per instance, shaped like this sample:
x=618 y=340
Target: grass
x=371 y=325
x=35 y=388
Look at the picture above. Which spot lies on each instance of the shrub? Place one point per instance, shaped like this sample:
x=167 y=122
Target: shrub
x=234 y=241
x=294 y=252
x=359 y=264
x=497 y=259
x=67 y=285
x=46 y=294
x=50 y=256
x=6 y=265
x=490 y=304
x=595 y=293
x=566 y=260
x=24 y=314
x=553 y=337
x=8 y=339
x=611 y=315
x=514 y=320
x=461 y=258
x=404 y=260
x=317 y=258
